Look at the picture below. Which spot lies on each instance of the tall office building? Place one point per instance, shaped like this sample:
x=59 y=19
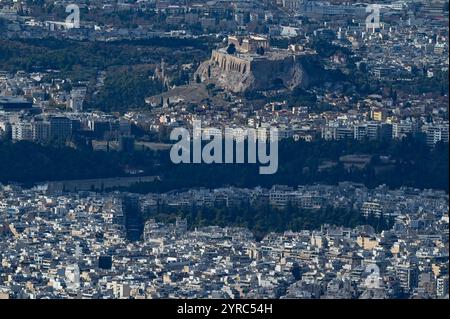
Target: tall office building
x=373 y=131
x=442 y=286
x=385 y=132
x=22 y=131
x=360 y=132
x=60 y=128
x=407 y=275
x=436 y=133
x=403 y=128
x=132 y=217
x=41 y=130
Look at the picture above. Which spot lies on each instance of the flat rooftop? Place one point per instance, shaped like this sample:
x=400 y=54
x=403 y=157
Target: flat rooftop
x=13 y=102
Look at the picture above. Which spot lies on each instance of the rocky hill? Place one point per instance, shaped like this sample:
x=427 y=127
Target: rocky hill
x=240 y=73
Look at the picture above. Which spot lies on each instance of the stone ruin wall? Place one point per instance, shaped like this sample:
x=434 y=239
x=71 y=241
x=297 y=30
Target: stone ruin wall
x=229 y=63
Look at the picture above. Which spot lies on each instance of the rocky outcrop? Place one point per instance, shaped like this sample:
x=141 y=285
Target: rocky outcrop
x=241 y=73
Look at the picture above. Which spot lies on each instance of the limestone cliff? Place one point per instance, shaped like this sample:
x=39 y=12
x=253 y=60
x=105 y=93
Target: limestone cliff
x=251 y=72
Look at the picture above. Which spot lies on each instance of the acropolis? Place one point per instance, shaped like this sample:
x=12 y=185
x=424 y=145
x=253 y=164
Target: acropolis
x=256 y=66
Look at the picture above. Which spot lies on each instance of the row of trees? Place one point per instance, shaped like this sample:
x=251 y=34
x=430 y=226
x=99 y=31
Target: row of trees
x=262 y=218
x=412 y=164
x=70 y=56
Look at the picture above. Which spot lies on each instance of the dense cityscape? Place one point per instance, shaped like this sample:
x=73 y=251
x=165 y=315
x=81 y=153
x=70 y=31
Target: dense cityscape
x=93 y=205
x=63 y=246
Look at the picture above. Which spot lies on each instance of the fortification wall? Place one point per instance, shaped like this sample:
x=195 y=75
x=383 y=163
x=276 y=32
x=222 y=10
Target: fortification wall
x=230 y=63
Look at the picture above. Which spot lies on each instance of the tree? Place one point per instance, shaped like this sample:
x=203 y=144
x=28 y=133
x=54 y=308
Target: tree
x=296 y=271
x=231 y=49
x=210 y=87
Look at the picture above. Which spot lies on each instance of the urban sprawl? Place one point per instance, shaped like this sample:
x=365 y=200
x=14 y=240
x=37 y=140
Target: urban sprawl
x=307 y=68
